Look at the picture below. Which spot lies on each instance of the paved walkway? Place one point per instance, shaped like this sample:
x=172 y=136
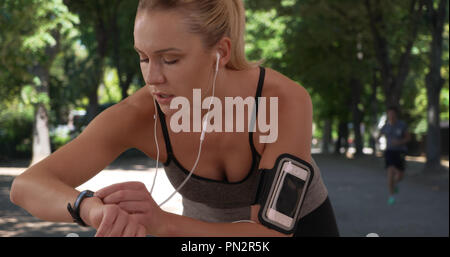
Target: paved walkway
x=357 y=189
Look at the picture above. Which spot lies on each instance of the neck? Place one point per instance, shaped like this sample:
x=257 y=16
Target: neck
x=392 y=122
x=224 y=87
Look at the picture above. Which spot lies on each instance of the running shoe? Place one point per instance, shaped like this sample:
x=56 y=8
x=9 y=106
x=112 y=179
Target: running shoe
x=396 y=189
x=391 y=200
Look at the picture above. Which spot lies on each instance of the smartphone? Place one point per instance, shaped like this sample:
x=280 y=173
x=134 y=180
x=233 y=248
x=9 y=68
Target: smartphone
x=287 y=195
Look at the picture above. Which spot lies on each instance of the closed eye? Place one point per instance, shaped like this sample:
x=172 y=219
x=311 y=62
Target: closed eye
x=170 y=62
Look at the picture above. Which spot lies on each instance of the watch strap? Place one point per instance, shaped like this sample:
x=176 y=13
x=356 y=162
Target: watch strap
x=75 y=210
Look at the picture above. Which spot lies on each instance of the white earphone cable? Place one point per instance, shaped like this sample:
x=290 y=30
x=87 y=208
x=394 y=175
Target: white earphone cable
x=202 y=137
x=155 y=117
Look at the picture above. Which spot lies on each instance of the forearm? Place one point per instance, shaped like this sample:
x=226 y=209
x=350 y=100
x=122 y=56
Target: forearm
x=181 y=226
x=406 y=139
x=401 y=142
x=43 y=197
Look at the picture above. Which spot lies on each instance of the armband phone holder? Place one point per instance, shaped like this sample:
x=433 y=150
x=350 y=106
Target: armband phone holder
x=281 y=192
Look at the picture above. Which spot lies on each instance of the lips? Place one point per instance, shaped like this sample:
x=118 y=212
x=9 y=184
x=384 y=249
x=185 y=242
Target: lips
x=164 y=95
x=164 y=98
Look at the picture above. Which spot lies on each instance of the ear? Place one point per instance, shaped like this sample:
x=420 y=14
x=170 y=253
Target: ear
x=224 y=49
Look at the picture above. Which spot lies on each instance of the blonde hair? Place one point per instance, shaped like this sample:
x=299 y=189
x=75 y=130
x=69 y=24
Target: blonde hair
x=212 y=19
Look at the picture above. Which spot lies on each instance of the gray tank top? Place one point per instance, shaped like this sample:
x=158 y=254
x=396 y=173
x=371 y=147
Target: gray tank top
x=221 y=201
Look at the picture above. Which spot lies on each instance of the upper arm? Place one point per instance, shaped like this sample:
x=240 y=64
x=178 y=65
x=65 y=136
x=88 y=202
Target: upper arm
x=295 y=114
x=406 y=133
x=405 y=127
x=294 y=132
x=383 y=129
x=97 y=146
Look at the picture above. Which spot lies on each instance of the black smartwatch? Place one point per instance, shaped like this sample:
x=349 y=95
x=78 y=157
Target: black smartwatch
x=75 y=210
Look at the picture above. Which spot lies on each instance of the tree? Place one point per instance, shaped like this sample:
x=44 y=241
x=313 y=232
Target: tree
x=45 y=24
x=394 y=33
x=107 y=28
x=436 y=19
x=328 y=50
x=94 y=29
x=121 y=24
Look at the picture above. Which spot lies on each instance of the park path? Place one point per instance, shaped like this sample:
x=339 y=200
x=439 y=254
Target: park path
x=357 y=189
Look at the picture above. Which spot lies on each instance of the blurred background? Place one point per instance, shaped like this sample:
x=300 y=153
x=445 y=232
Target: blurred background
x=64 y=62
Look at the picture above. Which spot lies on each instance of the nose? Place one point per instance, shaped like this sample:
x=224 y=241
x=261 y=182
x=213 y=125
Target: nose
x=154 y=73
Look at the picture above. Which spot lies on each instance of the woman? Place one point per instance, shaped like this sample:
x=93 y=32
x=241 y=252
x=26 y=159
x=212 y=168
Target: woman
x=183 y=45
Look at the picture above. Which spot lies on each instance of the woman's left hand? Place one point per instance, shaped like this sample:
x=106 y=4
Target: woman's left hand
x=134 y=198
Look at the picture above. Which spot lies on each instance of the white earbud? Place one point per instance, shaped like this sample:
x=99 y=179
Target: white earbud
x=217 y=63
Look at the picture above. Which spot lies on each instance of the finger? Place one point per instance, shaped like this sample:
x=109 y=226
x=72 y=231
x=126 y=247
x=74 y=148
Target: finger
x=134 y=206
x=134 y=185
x=141 y=232
x=119 y=225
x=110 y=214
x=125 y=195
x=131 y=229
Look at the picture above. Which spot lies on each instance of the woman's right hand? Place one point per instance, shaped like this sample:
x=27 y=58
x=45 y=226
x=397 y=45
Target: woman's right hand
x=110 y=220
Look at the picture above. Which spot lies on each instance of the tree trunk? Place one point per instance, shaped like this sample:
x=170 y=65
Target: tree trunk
x=373 y=113
x=115 y=36
x=433 y=139
x=357 y=114
x=126 y=85
x=326 y=136
x=41 y=136
x=93 y=105
x=101 y=34
x=434 y=83
x=393 y=83
x=342 y=140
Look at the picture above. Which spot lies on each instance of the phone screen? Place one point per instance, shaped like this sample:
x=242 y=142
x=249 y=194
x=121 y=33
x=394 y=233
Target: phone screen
x=290 y=195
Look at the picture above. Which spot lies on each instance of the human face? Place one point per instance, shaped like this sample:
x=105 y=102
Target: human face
x=173 y=60
x=392 y=116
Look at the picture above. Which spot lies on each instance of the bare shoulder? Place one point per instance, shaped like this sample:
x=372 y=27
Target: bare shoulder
x=125 y=120
x=294 y=118
x=139 y=112
x=141 y=101
x=292 y=97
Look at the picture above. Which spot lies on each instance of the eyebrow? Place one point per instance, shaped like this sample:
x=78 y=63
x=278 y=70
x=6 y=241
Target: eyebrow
x=160 y=51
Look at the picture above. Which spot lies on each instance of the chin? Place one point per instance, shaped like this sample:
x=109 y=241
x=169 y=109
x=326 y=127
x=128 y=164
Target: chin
x=166 y=110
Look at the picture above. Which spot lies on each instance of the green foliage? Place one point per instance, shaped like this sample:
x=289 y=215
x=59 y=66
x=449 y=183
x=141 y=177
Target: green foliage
x=445 y=74
x=110 y=92
x=59 y=137
x=264 y=37
x=15 y=25
x=30 y=96
x=49 y=16
x=16 y=126
x=28 y=29
x=324 y=43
